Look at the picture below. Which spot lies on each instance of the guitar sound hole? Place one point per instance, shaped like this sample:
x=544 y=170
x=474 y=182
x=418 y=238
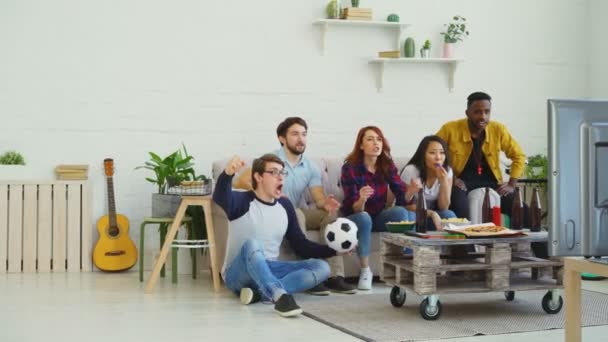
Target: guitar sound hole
x=113 y=231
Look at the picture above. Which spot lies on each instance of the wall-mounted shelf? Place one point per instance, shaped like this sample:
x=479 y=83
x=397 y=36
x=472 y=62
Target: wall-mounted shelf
x=452 y=64
x=325 y=23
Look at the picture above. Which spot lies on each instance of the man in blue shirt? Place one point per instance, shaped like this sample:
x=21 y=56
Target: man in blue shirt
x=303 y=174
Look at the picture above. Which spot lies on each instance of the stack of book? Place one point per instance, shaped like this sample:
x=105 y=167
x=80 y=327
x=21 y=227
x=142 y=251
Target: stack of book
x=355 y=13
x=72 y=172
x=389 y=54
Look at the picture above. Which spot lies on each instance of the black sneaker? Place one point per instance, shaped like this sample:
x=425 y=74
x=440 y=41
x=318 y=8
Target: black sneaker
x=337 y=284
x=319 y=290
x=286 y=306
x=249 y=296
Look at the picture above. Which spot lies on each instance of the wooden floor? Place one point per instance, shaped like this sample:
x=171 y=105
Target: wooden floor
x=105 y=307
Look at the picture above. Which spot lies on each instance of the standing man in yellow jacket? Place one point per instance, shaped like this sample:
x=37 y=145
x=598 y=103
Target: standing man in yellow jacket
x=475 y=144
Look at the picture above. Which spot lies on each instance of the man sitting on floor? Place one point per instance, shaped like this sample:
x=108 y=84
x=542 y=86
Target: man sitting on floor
x=304 y=174
x=259 y=220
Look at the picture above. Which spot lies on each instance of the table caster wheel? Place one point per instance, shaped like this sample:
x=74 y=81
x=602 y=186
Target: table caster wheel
x=398 y=296
x=428 y=312
x=550 y=306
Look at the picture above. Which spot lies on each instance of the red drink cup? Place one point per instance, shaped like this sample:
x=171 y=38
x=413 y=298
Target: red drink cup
x=496 y=218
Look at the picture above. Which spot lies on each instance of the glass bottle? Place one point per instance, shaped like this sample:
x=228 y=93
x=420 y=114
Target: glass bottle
x=535 y=211
x=486 y=208
x=421 y=212
x=517 y=211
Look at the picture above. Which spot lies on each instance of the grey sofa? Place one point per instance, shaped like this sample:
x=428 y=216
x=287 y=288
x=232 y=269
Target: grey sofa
x=330 y=171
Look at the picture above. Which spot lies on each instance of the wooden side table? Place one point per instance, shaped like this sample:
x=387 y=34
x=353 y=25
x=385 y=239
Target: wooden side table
x=572 y=291
x=205 y=202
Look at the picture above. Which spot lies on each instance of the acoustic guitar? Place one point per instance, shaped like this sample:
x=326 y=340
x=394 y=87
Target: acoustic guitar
x=114 y=251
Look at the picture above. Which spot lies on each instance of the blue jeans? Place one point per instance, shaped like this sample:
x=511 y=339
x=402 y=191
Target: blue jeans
x=365 y=225
x=250 y=268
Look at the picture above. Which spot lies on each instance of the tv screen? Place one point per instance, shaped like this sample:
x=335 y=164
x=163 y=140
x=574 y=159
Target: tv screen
x=578 y=177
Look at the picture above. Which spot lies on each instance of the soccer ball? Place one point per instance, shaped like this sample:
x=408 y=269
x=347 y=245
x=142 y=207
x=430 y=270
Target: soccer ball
x=341 y=235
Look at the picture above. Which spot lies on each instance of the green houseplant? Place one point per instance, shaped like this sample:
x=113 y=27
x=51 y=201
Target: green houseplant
x=12 y=158
x=12 y=167
x=455 y=31
x=170 y=171
x=425 y=52
x=537 y=167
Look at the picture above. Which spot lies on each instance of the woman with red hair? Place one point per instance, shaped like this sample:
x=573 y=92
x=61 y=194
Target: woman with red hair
x=367 y=174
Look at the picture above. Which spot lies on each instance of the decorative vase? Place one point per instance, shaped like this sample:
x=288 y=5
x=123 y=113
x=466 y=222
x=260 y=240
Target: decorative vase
x=425 y=53
x=409 y=48
x=448 y=50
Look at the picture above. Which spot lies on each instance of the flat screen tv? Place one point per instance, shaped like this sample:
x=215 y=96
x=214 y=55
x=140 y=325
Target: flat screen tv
x=578 y=177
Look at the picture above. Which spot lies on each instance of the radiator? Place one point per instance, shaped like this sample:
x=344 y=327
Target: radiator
x=45 y=226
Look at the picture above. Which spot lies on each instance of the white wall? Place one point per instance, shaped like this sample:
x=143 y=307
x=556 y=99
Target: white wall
x=598 y=57
x=84 y=80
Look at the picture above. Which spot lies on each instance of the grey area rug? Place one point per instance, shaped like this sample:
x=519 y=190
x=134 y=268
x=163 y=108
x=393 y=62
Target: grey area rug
x=371 y=317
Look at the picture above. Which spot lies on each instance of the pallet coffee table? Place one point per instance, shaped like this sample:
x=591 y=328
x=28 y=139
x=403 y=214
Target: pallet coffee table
x=437 y=266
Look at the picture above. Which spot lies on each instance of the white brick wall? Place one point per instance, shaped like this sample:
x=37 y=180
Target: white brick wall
x=85 y=80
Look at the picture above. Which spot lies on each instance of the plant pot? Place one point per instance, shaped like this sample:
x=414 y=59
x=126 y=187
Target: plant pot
x=425 y=53
x=448 y=50
x=19 y=173
x=355 y=3
x=165 y=205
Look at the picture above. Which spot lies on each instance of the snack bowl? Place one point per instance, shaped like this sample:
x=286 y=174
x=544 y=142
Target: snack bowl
x=400 y=227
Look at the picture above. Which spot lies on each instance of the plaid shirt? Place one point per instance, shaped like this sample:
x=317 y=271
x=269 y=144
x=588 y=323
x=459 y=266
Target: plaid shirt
x=356 y=176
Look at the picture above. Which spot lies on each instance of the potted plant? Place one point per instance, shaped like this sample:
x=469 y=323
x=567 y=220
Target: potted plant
x=425 y=52
x=169 y=171
x=537 y=167
x=12 y=166
x=355 y=3
x=455 y=31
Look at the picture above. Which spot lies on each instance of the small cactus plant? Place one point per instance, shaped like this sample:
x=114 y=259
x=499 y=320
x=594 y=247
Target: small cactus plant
x=427 y=45
x=333 y=10
x=393 y=18
x=12 y=158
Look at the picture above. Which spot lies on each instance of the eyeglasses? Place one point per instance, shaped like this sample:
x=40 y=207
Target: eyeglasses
x=277 y=172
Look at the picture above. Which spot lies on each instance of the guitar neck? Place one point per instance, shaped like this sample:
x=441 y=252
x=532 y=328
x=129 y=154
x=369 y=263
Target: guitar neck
x=111 y=203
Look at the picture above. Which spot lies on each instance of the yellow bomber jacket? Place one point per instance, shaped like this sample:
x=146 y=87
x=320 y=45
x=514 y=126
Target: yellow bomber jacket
x=458 y=137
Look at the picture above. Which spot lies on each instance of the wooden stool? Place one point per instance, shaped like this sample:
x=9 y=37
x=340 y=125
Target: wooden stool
x=205 y=202
x=163 y=223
